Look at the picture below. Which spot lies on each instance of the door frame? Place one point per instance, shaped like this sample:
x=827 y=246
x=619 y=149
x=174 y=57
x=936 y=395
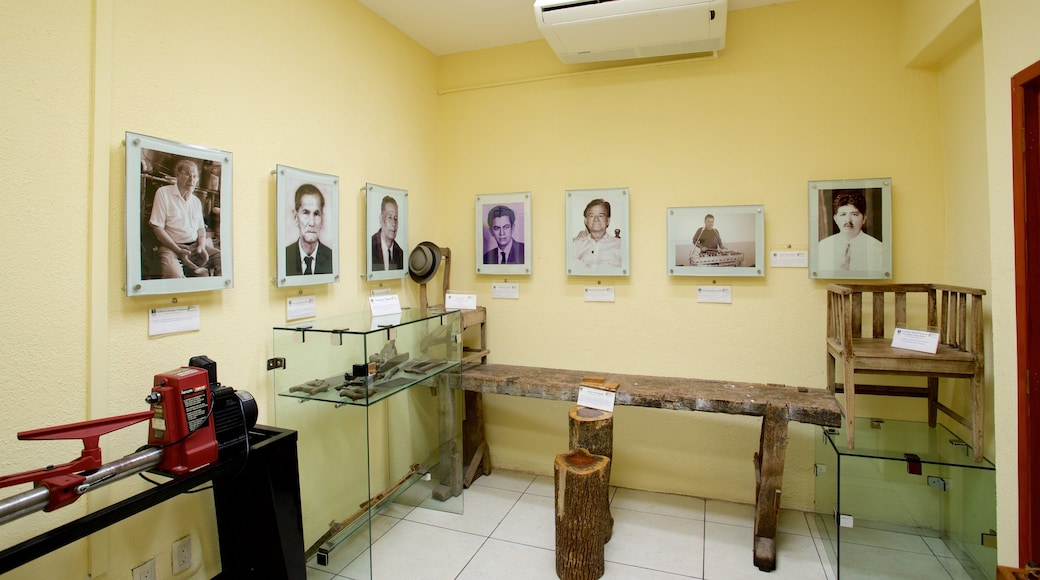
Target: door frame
x=1025 y=133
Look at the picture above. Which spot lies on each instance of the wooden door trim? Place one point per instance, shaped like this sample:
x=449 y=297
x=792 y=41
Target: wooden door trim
x=1025 y=97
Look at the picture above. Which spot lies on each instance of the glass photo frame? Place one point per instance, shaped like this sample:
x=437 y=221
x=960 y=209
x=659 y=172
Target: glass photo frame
x=850 y=229
x=307 y=222
x=177 y=195
x=386 y=218
x=597 y=232
x=503 y=233
x=725 y=240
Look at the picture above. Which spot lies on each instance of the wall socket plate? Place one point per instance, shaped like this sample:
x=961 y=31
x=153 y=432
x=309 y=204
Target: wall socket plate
x=181 y=555
x=145 y=571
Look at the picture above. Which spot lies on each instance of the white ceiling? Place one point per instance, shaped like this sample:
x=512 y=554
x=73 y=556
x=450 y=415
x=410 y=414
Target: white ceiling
x=450 y=26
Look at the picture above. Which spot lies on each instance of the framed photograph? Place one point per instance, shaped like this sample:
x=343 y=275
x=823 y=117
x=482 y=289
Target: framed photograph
x=850 y=229
x=386 y=217
x=178 y=217
x=597 y=232
x=725 y=240
x=503 y=227
x=308 y=227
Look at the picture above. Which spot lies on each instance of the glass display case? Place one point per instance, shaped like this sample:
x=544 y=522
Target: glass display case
x=373 y=403
x=908 y=502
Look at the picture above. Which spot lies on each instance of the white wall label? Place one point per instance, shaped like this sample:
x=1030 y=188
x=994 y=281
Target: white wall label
x=505 y=290
x=717 y=294
x=599 y=294
x=173 y=319
x=298 y=307
x=789 y=259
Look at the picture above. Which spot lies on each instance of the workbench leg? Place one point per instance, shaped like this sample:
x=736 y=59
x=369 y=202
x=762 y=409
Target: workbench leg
x=474 y=448
x=769 y=475
x=451 y=452
x=850 y=404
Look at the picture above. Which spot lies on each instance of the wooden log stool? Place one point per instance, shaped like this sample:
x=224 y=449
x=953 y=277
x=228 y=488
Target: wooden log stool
x=581 y=491
x=593 y=429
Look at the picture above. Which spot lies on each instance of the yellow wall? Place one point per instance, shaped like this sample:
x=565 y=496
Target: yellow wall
x=45 y=160
x=325 y=85
x=805 y=90
x=794 y=97
x=1010 y=45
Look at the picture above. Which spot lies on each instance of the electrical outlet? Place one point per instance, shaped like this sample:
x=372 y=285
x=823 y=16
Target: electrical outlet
x=182 y=554
x=145 y=571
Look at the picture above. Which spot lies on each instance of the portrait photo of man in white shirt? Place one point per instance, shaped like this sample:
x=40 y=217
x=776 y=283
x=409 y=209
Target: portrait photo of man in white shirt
x=854 y=237
x=598 y=232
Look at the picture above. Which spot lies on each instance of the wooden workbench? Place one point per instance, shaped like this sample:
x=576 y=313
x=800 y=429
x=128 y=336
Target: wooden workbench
x=776 y=404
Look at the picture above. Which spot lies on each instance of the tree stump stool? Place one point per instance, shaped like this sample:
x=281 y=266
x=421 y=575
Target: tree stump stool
x=593 y=429
x=581 y=491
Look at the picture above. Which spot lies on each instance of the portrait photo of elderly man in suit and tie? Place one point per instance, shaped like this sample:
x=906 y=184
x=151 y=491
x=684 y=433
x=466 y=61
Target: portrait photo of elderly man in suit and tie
x=386 y=228
x=387 y=254
x=307 y=255
x=308 y=227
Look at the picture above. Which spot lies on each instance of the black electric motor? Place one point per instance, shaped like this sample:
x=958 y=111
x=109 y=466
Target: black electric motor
x=234 y=412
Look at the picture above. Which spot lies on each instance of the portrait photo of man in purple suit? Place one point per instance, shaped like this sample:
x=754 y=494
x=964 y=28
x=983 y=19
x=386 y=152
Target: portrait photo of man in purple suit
x=501 y=222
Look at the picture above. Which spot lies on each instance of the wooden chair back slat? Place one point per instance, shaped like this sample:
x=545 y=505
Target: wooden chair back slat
x=900 y=310
x=962 y=317
x=933 y=320
x=856 y=311
x=945 y=316
x=878 y=315
x=976 y=329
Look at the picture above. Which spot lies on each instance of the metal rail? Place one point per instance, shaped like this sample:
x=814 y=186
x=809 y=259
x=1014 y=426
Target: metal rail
x=38 y=498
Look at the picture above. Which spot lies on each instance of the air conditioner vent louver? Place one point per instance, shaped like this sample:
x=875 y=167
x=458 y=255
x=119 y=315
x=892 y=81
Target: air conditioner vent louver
x=566 y=5
x=597 y=30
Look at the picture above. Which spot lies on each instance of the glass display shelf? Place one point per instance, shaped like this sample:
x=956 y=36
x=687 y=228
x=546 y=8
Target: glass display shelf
x=908 y=499
x=377 y=420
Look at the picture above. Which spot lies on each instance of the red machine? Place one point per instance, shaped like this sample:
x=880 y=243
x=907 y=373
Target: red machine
x=182 y=404
x=194 y=421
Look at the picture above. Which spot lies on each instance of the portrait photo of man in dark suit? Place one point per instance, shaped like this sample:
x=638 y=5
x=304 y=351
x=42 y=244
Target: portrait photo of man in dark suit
x=307 y=255
x=501 y=221
x=386 y=252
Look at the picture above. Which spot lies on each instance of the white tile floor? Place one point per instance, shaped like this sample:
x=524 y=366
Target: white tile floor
x=507 y=532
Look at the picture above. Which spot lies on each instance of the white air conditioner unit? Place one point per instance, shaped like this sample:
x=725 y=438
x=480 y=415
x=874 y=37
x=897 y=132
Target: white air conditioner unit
x=595 y=30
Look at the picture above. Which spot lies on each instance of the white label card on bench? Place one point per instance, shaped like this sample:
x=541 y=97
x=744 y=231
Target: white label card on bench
x=596 y=398
x=382 y=305
x=460 y=301
x=919 y=340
